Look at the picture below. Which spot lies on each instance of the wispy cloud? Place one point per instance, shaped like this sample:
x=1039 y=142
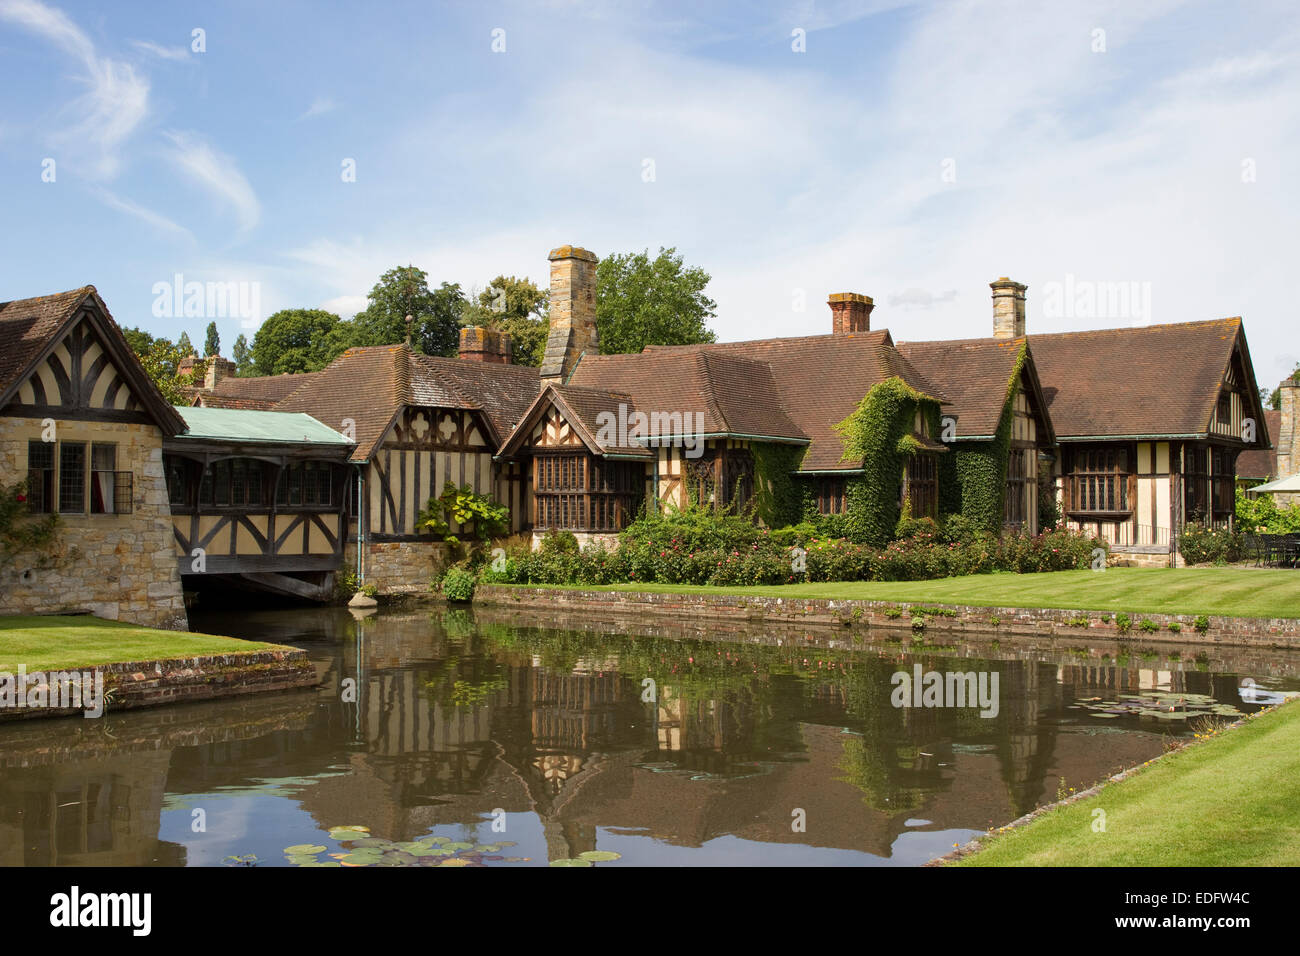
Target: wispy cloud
x=319 y=107
x=117 y=99
x=160 y=51
x=160 y=222
x=217 y=173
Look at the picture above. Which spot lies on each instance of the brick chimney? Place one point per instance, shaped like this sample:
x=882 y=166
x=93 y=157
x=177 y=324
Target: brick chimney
x=485 y=345
x=850 y=312
x=1008 y=308
x=573 y=310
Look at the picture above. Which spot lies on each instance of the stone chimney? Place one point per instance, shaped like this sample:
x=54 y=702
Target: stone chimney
x=573 y=311
x=1008 y=308
x=218 y=368
x=1287 y=440
x=485 y=345
x=850 y=312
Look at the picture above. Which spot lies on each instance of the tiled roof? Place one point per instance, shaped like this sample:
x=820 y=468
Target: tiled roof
x=254 y=392
x=724 y=393
x=26 y=327
x=1262 y=463
x=1153 y=380
x=818 y=379
x=975 y=374
x=583 y=407
x=370 y=385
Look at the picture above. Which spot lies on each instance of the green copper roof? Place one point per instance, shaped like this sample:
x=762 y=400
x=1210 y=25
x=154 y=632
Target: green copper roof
x=233 y=424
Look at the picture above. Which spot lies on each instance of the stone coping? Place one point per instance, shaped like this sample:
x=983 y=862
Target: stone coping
x=132 y=684
x=933 y=617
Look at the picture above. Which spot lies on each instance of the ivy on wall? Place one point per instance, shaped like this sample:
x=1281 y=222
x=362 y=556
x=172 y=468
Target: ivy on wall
x=778 y=499
x=878 y=434
x=973 y=477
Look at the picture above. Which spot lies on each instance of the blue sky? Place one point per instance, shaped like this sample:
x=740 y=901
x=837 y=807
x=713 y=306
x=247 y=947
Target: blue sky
x=912 y=152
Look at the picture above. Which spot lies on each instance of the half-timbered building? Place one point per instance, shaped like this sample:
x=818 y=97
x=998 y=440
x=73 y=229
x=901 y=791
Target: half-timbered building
x=82 y=428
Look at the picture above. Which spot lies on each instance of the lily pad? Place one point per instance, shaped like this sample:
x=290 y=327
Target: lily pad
x=578 y=862
x=298 y=859
x=460 y=846
x=600 y=856
x=455 y=861
x=308 y=849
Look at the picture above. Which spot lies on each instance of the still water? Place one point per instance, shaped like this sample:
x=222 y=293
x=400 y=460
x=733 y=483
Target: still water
x=460 y=738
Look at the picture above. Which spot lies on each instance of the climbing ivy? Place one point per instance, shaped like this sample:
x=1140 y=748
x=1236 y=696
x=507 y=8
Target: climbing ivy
x=877 y=434
x=779 y=501
x=973 y=477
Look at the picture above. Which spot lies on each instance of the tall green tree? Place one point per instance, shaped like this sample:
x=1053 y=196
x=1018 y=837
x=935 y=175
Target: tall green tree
x=403 y=291
x=242 y=356
x=161 y=363
x=183 y=343
x=295 y=340
x=517 y=307
x=642 y=301
x=212 y=344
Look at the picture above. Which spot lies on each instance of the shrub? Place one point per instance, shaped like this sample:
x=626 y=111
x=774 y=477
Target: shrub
x=1124 y=623
x=1148 y=625
x=458 y=584
x=1201 y=545
x=1202 y=624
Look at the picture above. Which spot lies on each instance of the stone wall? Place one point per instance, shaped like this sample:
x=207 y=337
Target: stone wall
x=398 y=567
x=120 y=567
x=561 y=603
x=1287 y=441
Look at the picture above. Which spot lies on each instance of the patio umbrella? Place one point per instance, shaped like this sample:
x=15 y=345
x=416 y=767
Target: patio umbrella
x=1281 y=484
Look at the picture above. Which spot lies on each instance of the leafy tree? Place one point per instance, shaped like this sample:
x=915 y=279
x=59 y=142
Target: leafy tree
x=242 y=356
x=162 y=364
x=518 y=308
x=183 y=343
x=1275 y=397
x=138 y=339
x=403 y=291
x=212 y=344
x=642 y=301
x=295 y=340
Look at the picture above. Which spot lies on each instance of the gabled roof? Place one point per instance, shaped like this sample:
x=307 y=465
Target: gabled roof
x=282 y=428
x=820 y=380
x=32 y=328
x=582 y=408
x=1261 y=462
x=371 y=385
x=976 y=375
x=1148 y=381
x=253 y=392
x=721 y=392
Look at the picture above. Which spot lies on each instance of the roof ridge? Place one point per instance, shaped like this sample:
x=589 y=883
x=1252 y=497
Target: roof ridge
x=1232 y=319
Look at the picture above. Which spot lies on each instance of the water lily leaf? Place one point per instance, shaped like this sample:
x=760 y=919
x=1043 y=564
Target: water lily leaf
x=579 y=862
x=298 y=859
x=487 y=848
x=460 y=846
x=600 y=856
x=455 y=861
x=321 y=863
x=372 y=842
x=304 y=848
x=436 y=840
x=361 y=859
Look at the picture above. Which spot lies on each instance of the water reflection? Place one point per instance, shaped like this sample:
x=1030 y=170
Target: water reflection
x=669 y=746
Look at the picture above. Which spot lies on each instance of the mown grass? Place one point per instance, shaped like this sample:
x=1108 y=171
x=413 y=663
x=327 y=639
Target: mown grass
x=1231 y=800
x=79 y=641
x=1241 y=592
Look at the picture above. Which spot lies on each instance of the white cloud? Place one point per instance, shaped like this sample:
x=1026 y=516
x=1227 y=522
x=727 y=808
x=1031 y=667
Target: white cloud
x=217 y=173
x=116 y=101
x=154 y=219
x=160 y=51
x=319 y=107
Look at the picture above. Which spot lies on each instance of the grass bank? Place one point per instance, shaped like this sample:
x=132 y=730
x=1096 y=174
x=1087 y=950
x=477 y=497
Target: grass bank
x=1232 y=800
x=1235 y=591
x=80 y=641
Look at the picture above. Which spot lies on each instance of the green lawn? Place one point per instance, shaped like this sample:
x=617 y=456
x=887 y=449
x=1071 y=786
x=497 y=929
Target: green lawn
x=1233 y=800
x=1244 y=592
x=63 y=643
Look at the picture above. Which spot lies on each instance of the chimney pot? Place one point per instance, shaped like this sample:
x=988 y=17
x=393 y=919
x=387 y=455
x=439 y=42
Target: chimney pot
x=1008 y=308
x=850 y=312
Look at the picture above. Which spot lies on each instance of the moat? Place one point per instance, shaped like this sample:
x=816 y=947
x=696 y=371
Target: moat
x=483 y=738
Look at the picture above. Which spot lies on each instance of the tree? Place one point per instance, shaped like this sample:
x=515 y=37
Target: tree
x=403 y=291
x=212 y=344
x=183 y=343
x=1275 y=397
x=642 y=301
x=295 y=340
x=162 y=364
x=242 y=356
x=518 y=308
x=138 y=339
